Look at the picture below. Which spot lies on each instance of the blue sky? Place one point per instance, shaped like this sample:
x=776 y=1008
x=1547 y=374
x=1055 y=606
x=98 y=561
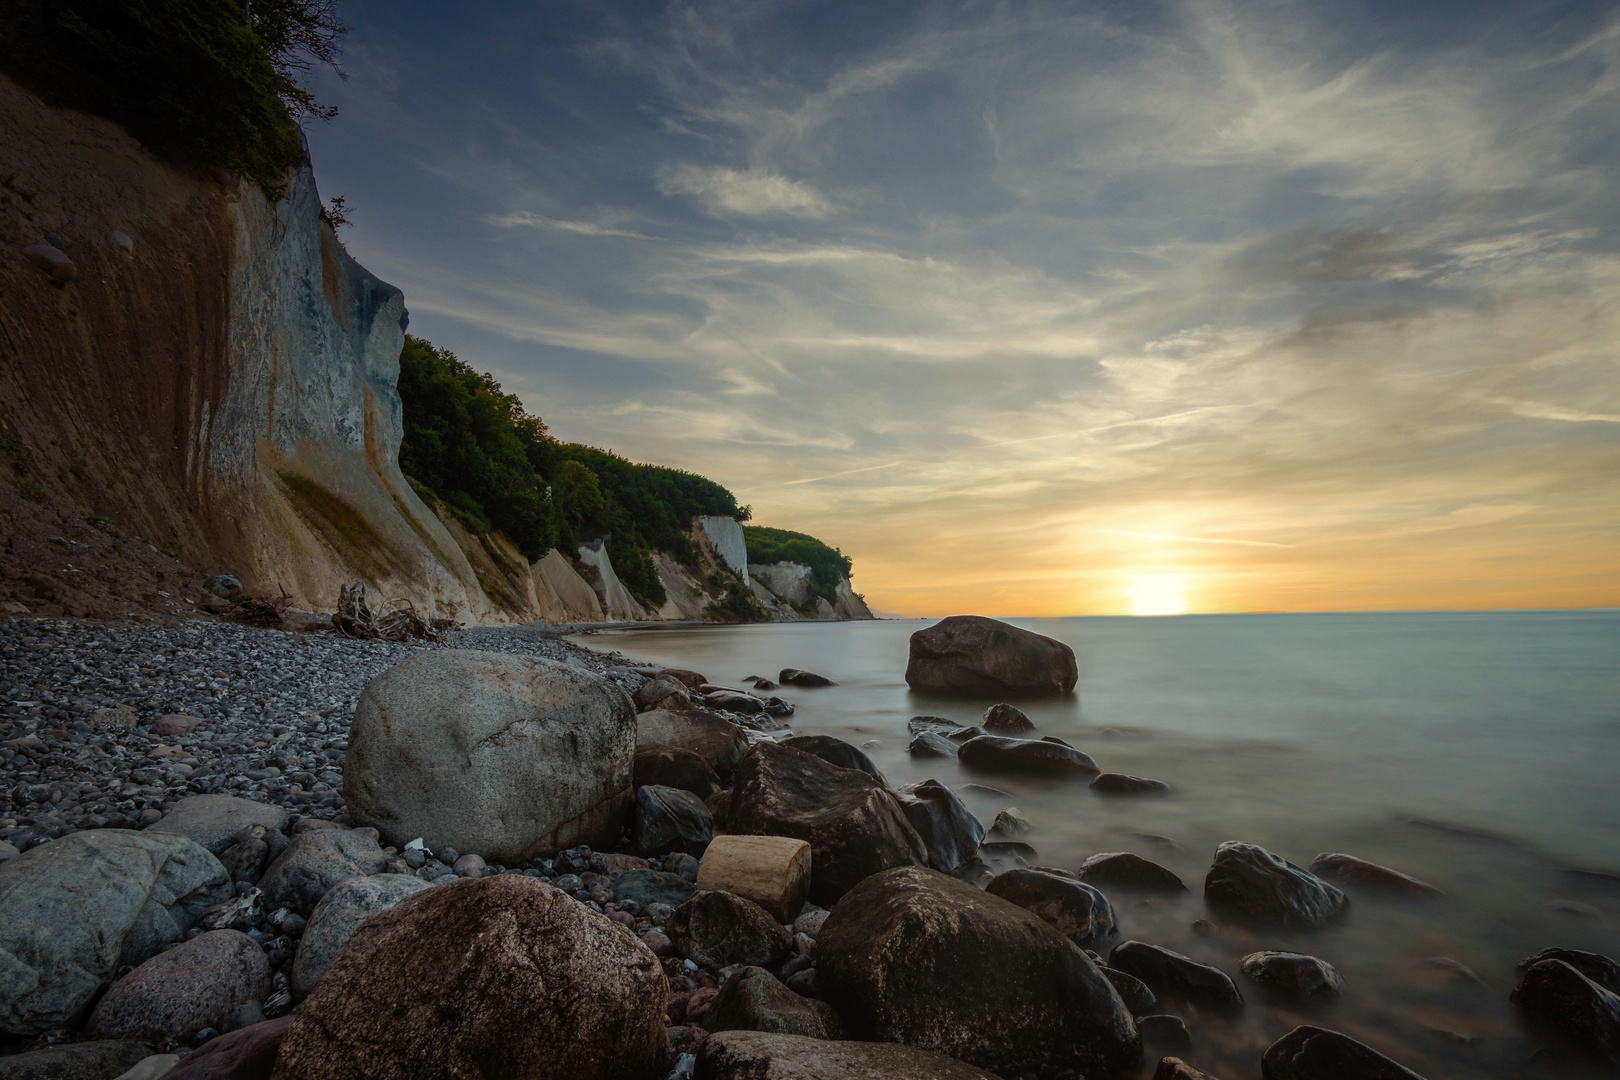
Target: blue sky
x=1041 y=307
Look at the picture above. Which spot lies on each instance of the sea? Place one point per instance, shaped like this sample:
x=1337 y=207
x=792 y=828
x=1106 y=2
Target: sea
x=1476 y=751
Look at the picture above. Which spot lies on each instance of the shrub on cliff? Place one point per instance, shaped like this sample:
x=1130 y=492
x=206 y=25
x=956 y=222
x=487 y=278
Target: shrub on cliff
x=828 y=566
x=212 y=82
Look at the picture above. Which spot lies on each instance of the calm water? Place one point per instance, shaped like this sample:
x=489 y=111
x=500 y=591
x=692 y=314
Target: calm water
x=1476 y=751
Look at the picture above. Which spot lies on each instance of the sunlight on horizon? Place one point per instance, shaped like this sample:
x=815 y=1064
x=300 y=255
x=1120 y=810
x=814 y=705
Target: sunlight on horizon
x=1158 y=594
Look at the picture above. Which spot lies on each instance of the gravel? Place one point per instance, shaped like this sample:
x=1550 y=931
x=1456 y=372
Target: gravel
x=77 y=700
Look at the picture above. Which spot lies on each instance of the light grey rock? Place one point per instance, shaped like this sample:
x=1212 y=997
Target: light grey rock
x=104 y=1059
x=336 y=917
x=317 y=862
x=197 y=984
x=217 y=821
x=74 y=911
x=511 y=757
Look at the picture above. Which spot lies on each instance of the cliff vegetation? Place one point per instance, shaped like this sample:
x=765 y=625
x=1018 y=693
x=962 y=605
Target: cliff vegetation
x=828 y=566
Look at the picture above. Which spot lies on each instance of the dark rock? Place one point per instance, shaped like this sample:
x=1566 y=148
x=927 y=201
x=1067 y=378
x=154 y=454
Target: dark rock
x=995 y=753
x=713 y=738
x=1113 y=783
x=913 y=956
x=195 y=985
x=1169 y=974
x=1133 y=991
x=1351 y=871
x=668 y=819
x=734 y=701
x=837 y=751
x=224 y=586
x=101 y=1060
x=336 y=918
x=718 y=929
x=1164 y=1031
x=244 y=860
x=805 y=983
x=645 y=887
x=1562 y=1000
x=1313 y=1053
x=963 y=734
x=245 y=1054
x=938 y=724
x=666 y=766
x=1004 y=719
x=949 y=832
x=219 y=821
x=931 y=744
x=1011 y=822
x=1008 y=849
x=1251 y=883
x=1122 y=870
x=757 y=1055
x=764 y=684
x=753 y=1000
x=51 y=262
x=978 y=657
x=692 y=680
x=317 y=862
x=1293 y=975
x=1600 y=969
x=1173 y=1068
x=854 y=825
x=1078 y=911
x=499 y=976
x=795 y=677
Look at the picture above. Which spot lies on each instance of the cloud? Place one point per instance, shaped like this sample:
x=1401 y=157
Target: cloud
x=753 y=192
x=523 y=218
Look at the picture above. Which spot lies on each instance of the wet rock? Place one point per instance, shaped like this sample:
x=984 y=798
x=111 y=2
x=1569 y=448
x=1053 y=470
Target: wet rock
x=668 y=819
x=1011 y=822
x=753 y=1000
x=509 y=756
x=1123 y=870
x=652 y=694
x=175 y=724
x=645 y=887
x=1250 y=883
x=1313 y=1053
x=103 y=1059
x=733 y=701
x=1173 y=1068
x=837 y=751
x=950 y=833
x=1004 y=719
x=1600 y=969
x=717 y=741
x=1169 y=974
x=246 y=1054
x=1560 y=999
x=854 y=825
x=795 y=677
x=1164 y=1031
x=502 y=976
x=1347 y=870
x=931 y=744
x=1078 y=911
x=76 y=910
x=1133 y=991
x=1113 y=783
x=718 y=929
x=336 y=917
x=1293 y=975
x=756 y=1055
x=197 y=984
x=996 y=753
x=974 y=656
x=315 y=863
x=665 y=766
x=911 y=955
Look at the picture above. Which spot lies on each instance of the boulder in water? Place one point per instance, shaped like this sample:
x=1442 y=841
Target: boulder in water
x=1293 y=975
x=950 y=833
x=1004 y=719
x=1251 y=883
x=795 y=677
x=969 y=655
x=1169 y=974
x=1575 y=1009
x=1347 y=870
x=837 y=751
x=997 y=753
x=1078 y=911
x=1313 y=1053
x=1123 y=870
x=1113 y=783
x=930 y=744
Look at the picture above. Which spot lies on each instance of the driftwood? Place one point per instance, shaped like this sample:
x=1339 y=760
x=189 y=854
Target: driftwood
x=259 y=610
x=398 y=621
x=772 y=871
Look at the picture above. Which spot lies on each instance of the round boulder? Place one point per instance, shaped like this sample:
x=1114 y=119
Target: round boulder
x=1293 y=975
x=1004 y=719
x=913 y=956
x=1313 y=1053
x=972 y=656
x=1251 y=883
x=315 y=863
x=719 y=742
x=718 y=929
x=755 y=1000
x=949 y=831
x=1078 y=911
x=509 y=756
x=197 y=984
x=998 y=753
x=499 y=976
x=337 y=916
x=837 y=751
x=1123 y=870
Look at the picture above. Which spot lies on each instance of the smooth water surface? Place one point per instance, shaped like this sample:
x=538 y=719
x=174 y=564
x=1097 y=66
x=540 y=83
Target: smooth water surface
x=1475 y=751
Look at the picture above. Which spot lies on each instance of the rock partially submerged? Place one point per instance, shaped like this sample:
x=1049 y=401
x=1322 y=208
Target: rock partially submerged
x=950 y=833
x=1313 y=1053
x=795 y=677
x=969 y=655
x=1123 y=870
x=1293 y=975
x=1350 y=871
x=1171 y=975
x=1005 y=719
x=1110 y=783
x=1078 y=912
x=1576 y=1009
x=1251 y=883
x=997 y=753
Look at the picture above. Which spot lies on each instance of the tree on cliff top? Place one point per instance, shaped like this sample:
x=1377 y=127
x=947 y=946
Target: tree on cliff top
x=211 y=82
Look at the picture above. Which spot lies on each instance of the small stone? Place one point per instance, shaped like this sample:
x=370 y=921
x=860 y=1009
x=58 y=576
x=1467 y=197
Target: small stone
x=1011 y=822
x=121 y=239
x=223 y=586
x=796 y=677
x=1293 y=975
x=1123 y=784
x=1004 y=719
x=469 y=866
x=175 y=724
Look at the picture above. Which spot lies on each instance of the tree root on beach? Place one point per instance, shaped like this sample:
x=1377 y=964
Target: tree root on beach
x=398 y=621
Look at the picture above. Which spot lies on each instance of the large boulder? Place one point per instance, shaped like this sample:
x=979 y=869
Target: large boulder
x=508 y=756
x=972 y=656
x=499 y=976
x=855 y=826
x=840 y=753
x=1078 y=911
x=1600 y=969
x=218 y=821
x=755 y=1000
x=1000 y=754
x=911 y=955
x=104 y=1059
x=667 y=766
x=76 y=910
x=758 y=1055
x=1169 y=974
x=197 y=984
x=1250 y=883
x=1313 y=1053
x=1561 y=999
x=715 y=739
x=315 y=863
x=336 y=918
x=669 y=819
x=718 y=929
x=950 y=833
x=1123 y=870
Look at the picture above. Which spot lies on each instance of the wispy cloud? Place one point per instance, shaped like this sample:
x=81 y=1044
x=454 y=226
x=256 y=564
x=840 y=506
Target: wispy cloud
x=752 y=192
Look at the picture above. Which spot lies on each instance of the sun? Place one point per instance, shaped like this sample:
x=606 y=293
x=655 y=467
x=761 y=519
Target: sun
x=1158 y=594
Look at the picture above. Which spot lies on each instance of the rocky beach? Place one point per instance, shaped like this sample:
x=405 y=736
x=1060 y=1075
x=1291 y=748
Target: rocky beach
x=235 y=852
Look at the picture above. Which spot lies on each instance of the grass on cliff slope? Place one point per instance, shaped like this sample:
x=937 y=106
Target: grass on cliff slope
x=210 y=82
x=828 y=566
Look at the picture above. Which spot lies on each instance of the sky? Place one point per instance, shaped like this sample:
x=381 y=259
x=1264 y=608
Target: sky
x=1040 y=308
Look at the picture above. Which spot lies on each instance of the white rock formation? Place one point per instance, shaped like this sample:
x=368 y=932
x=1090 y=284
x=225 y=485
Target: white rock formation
x=616 y=600
x=850 y=605
x=790 y=581
x=561 y=595
x=726 y=537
